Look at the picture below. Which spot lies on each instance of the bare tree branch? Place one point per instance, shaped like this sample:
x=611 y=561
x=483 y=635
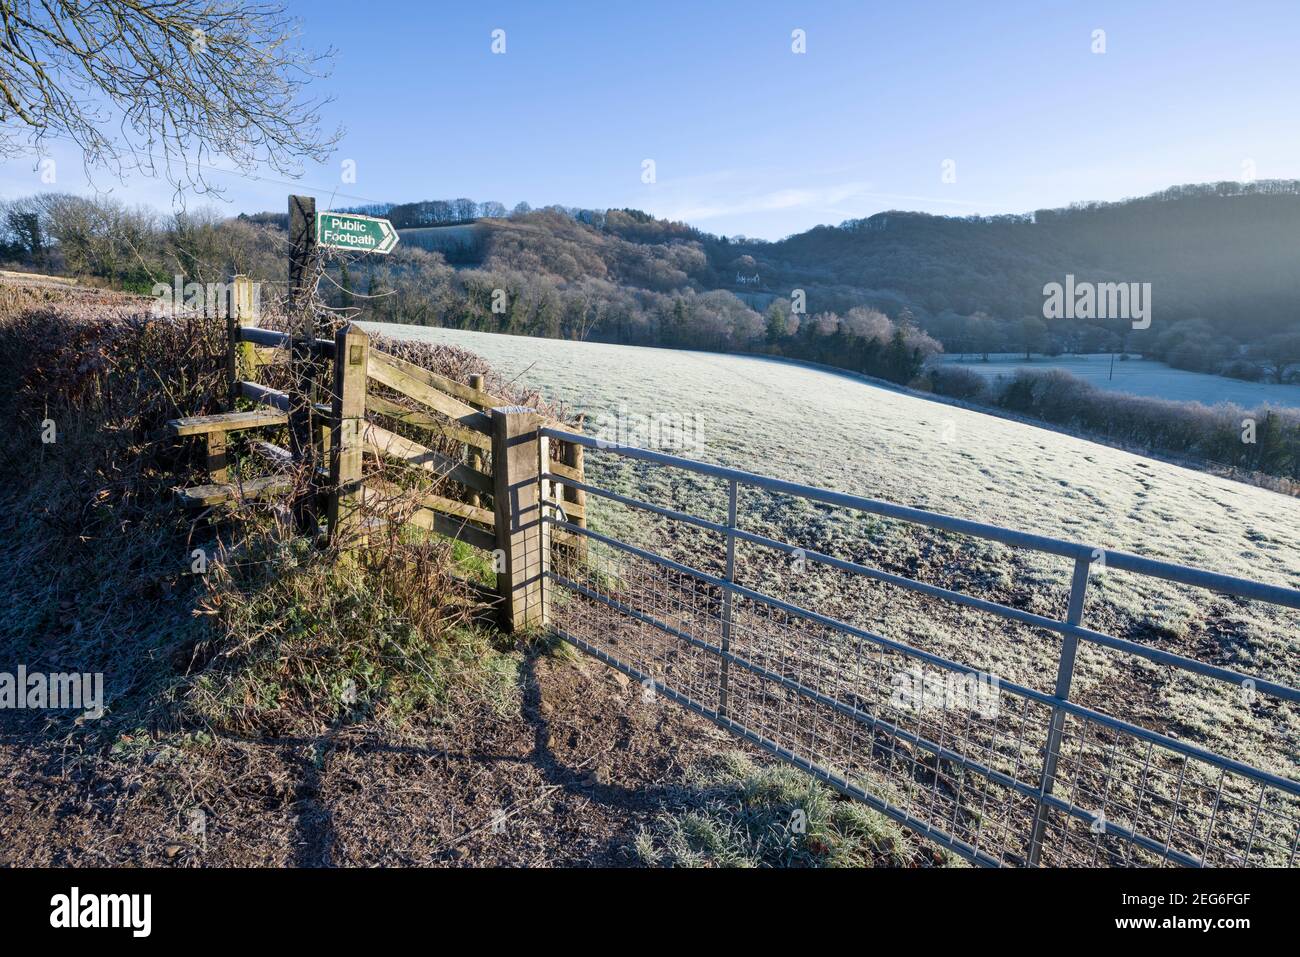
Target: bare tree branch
x=136 y=83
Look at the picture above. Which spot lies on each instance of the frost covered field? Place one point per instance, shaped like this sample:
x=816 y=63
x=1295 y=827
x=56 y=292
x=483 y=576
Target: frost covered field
x=1142 y=377
x=827 y=430
x=803 y=424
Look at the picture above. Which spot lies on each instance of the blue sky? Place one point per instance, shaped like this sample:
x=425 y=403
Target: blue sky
x=749 y=137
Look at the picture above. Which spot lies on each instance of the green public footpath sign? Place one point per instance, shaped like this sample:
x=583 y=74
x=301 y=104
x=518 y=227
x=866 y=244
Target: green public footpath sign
x=361 y=233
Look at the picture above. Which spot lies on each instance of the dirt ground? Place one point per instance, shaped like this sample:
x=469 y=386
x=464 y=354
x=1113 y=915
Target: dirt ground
x=567 y=782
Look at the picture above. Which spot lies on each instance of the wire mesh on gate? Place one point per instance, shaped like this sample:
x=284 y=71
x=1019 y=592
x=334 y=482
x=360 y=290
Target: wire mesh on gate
x=876 y=719
x=1192 y=811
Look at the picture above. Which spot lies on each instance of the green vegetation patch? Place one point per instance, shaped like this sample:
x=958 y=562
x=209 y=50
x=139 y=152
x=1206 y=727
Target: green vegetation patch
x=304 y=640
x=735 y=813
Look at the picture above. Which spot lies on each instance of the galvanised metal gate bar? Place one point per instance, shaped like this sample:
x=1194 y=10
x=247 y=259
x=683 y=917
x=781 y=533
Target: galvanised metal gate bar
x=812 y=690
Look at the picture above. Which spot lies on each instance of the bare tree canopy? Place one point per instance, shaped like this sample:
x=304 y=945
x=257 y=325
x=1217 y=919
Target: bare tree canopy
x=170 y=84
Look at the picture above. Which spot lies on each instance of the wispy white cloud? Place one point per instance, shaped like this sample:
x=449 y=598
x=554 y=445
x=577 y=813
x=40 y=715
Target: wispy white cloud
x=729 y=193
x=692 y=210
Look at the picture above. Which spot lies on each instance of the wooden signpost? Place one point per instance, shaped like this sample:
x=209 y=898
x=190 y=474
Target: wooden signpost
x=302 y=288
x=309 y=231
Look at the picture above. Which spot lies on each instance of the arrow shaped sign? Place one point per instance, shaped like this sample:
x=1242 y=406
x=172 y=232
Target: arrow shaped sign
x=361 y=233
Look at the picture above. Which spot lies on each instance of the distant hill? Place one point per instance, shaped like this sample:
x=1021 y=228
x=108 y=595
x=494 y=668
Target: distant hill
x=879 y=295
x=1226 y=252
x=1222 y=261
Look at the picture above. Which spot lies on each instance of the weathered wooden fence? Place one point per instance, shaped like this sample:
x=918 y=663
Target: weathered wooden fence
x=489 y=496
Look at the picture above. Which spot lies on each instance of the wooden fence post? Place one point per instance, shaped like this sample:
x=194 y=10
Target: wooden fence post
x=239 y=310
x=475 y=455
x=243 y=313
x=574 y=459
x=232 y=351
x=247 y=313
x=523 y=539
x=216 y=458
x=302 y=252
x=351 y=358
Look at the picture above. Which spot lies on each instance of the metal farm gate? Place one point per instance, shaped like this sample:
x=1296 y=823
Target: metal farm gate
x=1013 y=776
